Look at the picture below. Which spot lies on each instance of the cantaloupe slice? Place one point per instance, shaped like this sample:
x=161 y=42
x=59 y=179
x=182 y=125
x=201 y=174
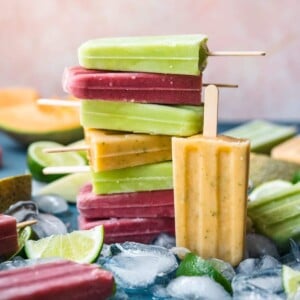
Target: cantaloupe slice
x=27 y=122
x=13 y=189
x=14 y=96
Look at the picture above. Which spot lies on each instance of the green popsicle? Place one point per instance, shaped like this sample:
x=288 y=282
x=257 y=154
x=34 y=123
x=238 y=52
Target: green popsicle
x=263 y=135
x=150 y=177
x=277 y=215
x=174 y=54
x=144 y=118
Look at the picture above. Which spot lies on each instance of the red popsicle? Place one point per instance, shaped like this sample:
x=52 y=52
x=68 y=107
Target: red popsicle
x=142 y=230
x=57 y=280
x=8 y=236
x=136 y=87
x=126 y=205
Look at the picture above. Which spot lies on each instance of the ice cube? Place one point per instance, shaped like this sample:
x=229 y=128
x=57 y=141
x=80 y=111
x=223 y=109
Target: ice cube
x=196 y=287
x=48 y=225
x=165 y=240
x=160 y=292
x=257 y=295
x=180 y=252
x=292 y=259
x=251 y=265
x=138 y=266
x=52 y=204
x=19 y=262
x=295 y=250
x=258 y=245
x=223 y=267
x=268 y=281
x=23 y=210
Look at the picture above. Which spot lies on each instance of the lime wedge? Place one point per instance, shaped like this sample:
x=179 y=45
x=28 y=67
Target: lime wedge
x=24 y=234
x=193 y=265
x=291 y=280
x=268 y=188
x=67 y=187
x=83 y=246
x=37 y=160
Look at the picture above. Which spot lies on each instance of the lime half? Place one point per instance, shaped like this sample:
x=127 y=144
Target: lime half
x=291 y=280
x=37 y=160
x=268 y=188
x=193 y=265
x=83 y=246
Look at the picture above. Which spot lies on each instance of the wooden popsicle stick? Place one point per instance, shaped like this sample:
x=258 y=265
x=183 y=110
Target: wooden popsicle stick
x=67 y=149
x=236 y=53
x=58 y=102
x=66 y=169
x=72 y=103
x=26 y=223
x=222 y=85
x=211 y=99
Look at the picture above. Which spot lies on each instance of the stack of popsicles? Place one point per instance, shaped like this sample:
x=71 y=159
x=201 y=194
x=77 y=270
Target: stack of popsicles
x=151 y=91
x=129 y=118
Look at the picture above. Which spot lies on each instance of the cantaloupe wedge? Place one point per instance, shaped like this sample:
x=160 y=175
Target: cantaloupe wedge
x=13 y=189
x=26 y=121
x=14 y=96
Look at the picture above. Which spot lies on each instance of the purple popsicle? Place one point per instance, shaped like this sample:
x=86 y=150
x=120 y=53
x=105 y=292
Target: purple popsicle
x=126 y=205
x=142 y=230
x=8 y=236
x=57 y=280
x=135 y=87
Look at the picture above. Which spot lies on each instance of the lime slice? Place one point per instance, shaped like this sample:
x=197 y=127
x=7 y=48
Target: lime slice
x=24 y=234
x=83 y=246
x=67 y=187
x=268 y=188
x=37 y=160
x=194 y=265
x=80 y=143
x=291 y=280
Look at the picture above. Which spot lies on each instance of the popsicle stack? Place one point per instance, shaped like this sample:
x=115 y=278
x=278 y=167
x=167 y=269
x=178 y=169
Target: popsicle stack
x=150 y=92
x=129 y=118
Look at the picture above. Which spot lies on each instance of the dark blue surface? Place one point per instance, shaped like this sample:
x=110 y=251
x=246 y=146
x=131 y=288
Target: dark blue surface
x=13 y=157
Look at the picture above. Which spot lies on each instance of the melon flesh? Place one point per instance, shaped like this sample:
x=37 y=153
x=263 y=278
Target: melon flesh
x=14 y=189
x=29 y=122
x=15 y=96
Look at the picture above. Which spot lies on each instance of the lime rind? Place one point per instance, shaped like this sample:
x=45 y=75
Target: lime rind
x=82 y=246
x=37 y=160
x=193 y=265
